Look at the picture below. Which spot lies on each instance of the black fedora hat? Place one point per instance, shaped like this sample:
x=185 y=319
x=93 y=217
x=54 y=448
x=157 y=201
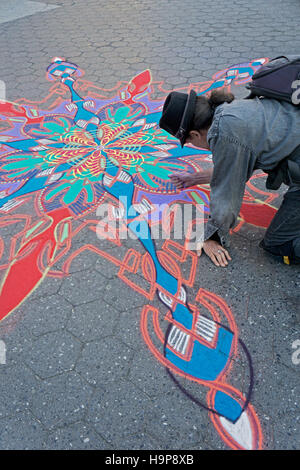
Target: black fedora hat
x=177 y=114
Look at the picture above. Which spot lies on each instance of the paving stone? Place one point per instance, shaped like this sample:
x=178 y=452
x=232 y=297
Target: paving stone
x=46 y=314
x=104 y=360
x=119 y=413
x=17 y=386
x=77 y=436
x=48 y=286
x=61 y=400
x=175 y=425
x=120 y=297
x=92 y=321
x=83 y=286
x=52 y=354
x=21 y=432
x=128 y=329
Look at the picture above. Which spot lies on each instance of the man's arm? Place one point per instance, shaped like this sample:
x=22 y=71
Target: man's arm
x=233 y=164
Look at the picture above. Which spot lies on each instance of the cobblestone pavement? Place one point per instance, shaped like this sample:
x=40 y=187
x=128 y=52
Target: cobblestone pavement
x=78 y=374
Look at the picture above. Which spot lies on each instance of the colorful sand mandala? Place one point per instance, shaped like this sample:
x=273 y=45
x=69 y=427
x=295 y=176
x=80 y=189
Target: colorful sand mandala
x=82 y=147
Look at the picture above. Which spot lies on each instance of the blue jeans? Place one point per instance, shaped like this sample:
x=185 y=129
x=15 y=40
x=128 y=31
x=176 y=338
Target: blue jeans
x=283 y=234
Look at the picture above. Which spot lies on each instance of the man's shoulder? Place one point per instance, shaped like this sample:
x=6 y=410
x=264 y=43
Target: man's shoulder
x=240 y=109
x=239 y=119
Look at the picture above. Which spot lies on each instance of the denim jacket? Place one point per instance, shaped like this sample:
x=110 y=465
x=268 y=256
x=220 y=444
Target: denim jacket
x=245 y=135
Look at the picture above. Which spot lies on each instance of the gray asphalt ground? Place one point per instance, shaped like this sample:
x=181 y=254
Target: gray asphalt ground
x=82 y=378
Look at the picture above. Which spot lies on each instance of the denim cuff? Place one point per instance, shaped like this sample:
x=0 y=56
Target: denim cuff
x=211 y=229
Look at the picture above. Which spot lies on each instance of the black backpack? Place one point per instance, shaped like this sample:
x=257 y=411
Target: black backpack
x=277 y=79
x=280 y=79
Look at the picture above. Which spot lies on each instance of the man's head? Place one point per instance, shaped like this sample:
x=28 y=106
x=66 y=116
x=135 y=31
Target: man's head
x=198 y=138
x=188 y=116
x=177 y=114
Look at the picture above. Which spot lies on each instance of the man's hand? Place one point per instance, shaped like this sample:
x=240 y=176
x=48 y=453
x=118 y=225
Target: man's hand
x=187 y=180
x=216 y=252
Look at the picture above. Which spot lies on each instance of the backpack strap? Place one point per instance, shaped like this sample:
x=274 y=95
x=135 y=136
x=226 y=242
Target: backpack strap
x=295 y=153
x=293 y=166
x=287 y=171
x=279 y=57
x=250 y=96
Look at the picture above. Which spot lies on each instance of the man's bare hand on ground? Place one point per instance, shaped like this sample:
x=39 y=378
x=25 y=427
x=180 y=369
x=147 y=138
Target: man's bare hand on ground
x=218 y=255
